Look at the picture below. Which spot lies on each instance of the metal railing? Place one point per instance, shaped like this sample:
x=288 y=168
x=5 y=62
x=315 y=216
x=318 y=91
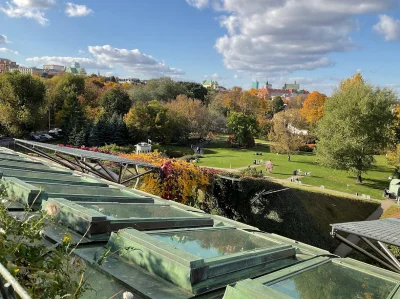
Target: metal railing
x=9 y=286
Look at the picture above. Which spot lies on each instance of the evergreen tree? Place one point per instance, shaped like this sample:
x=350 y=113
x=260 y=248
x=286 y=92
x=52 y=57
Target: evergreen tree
x=71 y=116
x=80 y=137
x=118 y=126
x=115 y=100
x=72 y=136
x=94 y=136
x=277 y=105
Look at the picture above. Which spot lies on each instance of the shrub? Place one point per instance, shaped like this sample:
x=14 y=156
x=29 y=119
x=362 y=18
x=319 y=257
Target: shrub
x=252 y=172
x=43 y=272
x=176 y=180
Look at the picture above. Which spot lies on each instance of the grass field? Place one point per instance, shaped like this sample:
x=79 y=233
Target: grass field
x=219 y=155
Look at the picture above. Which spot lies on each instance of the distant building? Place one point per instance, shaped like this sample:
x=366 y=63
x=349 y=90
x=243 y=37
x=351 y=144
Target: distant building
x=255 y=84
x=143 y=147
x=76 y=69
x=210 y=84
x=54 y=67
x=267 y=85
x=221 y=88
x=28 y=70
x=296 y=131
x=6 y=64
x=294 y=86
x=287 y=91
x=133 y=81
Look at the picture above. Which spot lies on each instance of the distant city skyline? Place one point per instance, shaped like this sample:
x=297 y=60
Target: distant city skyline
x=315 y=43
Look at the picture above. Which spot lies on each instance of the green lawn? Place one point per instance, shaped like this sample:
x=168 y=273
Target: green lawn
x=217 y=154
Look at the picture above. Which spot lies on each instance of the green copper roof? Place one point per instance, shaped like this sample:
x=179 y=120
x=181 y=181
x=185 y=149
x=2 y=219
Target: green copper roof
x=163 y=249
x=292 y=86
x=321 y=277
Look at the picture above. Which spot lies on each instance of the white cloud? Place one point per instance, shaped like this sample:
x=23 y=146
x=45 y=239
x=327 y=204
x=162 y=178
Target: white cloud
x=278 y=37
x=5 y=50
x=29 y=9
x=388 y=27
x=216 y=77
x=38 y=4
x=236 y=76
x=75 y=10
x=107 y=58
x=134 y=61
x=3 y=39
x=198 y=3
x=88 y=63
x=359 y=70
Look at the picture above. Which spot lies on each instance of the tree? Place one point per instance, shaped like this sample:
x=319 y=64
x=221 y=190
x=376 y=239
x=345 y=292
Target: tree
x=356 y=124
x=196 y=117
x=393 y=158
x=243 y=127
x=277 y=105
x=248 y=103
x=116 y=101
x=313 y=107
x=194 y=90
x=21 y=100
x=286 y=134
x=149 y=120
x=118 y=127
x=65 y=82
x=231 y=99
x=162 y=89
x=72 y=116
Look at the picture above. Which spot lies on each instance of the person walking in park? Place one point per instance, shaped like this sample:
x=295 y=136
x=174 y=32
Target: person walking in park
x=269 y=166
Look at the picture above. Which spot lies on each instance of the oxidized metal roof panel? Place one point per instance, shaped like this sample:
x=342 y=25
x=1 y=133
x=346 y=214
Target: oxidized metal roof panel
x=384 y=230
x=84 y=153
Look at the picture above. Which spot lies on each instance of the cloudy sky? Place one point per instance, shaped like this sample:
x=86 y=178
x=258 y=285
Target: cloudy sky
x=313 y=42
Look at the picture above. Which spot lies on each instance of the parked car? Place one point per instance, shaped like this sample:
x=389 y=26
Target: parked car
x=56 y=131
x=45 y=137
x=48 y=136
x=35 y=137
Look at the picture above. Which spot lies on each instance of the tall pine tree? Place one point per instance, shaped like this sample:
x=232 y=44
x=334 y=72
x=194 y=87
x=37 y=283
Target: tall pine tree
x=71 y=116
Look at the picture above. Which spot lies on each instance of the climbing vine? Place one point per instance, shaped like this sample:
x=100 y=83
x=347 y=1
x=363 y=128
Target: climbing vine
x=176 y=180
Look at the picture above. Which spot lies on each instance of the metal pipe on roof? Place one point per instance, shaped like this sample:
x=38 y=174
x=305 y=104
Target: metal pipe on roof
x=137 y=176
x=390 y=254
x=14 y=283
x=378 y=251
x=359 y=249
x=107 y=171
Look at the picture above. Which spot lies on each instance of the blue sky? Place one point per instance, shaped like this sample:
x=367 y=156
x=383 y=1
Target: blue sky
x=316 y=43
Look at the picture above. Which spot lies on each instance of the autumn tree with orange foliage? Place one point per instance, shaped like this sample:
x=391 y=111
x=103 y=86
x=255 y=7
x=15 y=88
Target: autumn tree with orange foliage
x=177 y=180
x=313 y=107
x=354 y=80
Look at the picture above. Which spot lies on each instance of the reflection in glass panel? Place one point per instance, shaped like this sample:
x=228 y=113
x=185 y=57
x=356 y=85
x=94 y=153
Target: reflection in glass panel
x=85 y=190
x=212 y=243
x=136 y=211
x=100 y=286
x=332 y=281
